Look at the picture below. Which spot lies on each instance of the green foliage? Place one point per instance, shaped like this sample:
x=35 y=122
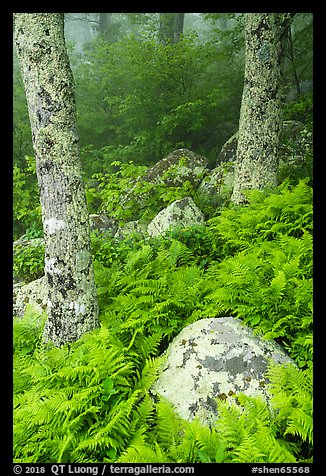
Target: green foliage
x=27 y=208
x=146 y=99
x=125 y=192
x=113 y=186
x=28 y=261
x=291 y=391
x=300 y=110
x=89 y=402
x=255 y=431
x=266 y=278
x=299 y=161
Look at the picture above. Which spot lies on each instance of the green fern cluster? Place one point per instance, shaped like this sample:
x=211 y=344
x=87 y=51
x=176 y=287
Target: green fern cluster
x=154 y=295
x=90 y=402
x=266 y=277
x=251 y=431
x=80 y=401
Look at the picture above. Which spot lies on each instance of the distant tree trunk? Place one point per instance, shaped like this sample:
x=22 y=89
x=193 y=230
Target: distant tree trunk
x=166 y=28
x=178 y=26
x=171 y=27
x=72 y=297
x=292 y=62
x=261 y=115
x=104 y=22
x=223 y=22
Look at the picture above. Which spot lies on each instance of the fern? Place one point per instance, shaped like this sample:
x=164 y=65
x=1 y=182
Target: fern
x=291 y=391
x=90 y=401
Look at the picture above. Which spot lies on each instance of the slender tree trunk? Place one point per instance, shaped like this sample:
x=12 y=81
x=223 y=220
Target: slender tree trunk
x=72 y=298
x=292 y=63
x=104 y=22
x=171 y=27
x=166 y=28
x=261 y=114
x=178 y=26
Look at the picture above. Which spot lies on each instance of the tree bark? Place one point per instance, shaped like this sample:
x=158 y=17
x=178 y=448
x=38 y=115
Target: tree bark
x=72 y=297
x=171 y=27
x=166 y=28
x=178 y=26
x=104 y=22
x=260 y=115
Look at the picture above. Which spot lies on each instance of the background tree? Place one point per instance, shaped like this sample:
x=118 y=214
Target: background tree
x=72 y=303
x=170 y=27
x=261 y=113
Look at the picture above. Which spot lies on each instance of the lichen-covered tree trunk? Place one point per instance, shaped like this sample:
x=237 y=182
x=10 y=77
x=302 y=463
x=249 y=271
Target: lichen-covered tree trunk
x=72 y=297
x=261 y=114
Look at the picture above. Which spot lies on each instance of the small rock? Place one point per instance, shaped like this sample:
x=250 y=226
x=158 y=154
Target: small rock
x=181 y=213
x=34 y=293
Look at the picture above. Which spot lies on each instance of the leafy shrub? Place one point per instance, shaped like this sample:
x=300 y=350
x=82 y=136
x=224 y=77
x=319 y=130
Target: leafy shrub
x=299 y=161
x=28 y=261
x=27 y=208
x=300 y=110
x=124 y=196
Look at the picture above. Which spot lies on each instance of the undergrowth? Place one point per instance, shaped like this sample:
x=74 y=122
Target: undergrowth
x=90 y=401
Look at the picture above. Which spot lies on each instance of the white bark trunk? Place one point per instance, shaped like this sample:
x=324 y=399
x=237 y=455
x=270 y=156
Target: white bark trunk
x=49 y=86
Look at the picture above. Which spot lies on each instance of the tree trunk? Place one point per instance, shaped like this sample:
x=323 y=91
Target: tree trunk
x=166 y=28
x=72 y=297
x=104 y=22
x=260 y=114
x=178 y=26
x=171 y=27
x=292 y=63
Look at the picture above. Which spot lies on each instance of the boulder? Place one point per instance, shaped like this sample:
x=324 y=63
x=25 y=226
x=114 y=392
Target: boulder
x=33 y=293
x=291 y=134
x=172 y=171
x=102 y=223
x=181 y=213
x=212 y=359
x=177 y=167
x=216 y=188
x=129 y=228
x=228 y=150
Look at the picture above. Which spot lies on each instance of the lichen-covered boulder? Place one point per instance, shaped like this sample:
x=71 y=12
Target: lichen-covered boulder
x=102 y=223
x=131 y=227
x=228 y=150
x=291 y=135
x=180 y=166
x=215 y=358
x=34 y=293
x=181 y=213
x=216 y=188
